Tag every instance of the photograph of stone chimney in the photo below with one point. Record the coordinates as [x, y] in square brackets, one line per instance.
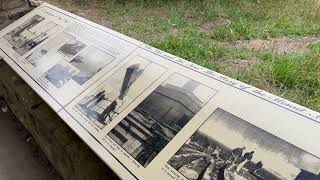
[116, 93]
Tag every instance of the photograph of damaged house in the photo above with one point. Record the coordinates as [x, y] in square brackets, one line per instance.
[156, 121]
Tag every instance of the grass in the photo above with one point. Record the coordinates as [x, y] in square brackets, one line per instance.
[205, 32]
[203, 53]
[294, 76]
[247, 18]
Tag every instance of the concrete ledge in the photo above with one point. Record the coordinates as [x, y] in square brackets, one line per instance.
[12, 4]
[64, 149]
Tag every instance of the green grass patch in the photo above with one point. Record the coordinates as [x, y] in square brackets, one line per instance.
[206, 54]
[240, 53]
[203, 32]
[294, 76]
[248, 18]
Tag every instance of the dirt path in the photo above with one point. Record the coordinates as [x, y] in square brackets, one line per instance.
[20, 159]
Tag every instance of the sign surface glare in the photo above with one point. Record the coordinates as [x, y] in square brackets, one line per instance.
[147, 113]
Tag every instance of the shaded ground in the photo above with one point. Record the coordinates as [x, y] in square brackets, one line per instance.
[20, 158]
[273, 45]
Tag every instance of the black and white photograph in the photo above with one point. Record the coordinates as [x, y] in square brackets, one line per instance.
[117, 92]
[156, 121]
[48, 51]
[30, 34]
[90, 61]
[72, 48]
[62, 47]
[60, 73]
[227, 147]
[36, 58]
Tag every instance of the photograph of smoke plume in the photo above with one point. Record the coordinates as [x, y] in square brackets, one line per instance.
[89, 62]
[227, 147]
[155, 122]
[116, 93]
[30, 34]
[60, 73]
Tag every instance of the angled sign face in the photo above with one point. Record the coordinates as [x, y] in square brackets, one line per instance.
[149, 114]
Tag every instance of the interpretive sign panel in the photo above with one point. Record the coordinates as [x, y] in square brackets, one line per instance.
[63, 54]
[149, 114]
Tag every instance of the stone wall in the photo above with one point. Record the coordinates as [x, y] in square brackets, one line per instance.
[12, 4]
[11, 10]
[65, 150]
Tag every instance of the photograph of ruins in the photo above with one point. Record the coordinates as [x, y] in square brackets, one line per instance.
[55, 50]
[154, 123]
[72, 48]
[37, 57]
[89, 62]
[30, 34]
[80, 61]
[60, 73]
[117, 92]
[227, 147]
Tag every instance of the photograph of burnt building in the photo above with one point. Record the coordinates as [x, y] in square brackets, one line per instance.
[72, 48]
[30, 34]
[155, 122]
[227, 147]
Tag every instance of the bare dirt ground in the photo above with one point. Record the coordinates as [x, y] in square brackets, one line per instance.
[91, 13]
[278, 45]
[20, 158]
